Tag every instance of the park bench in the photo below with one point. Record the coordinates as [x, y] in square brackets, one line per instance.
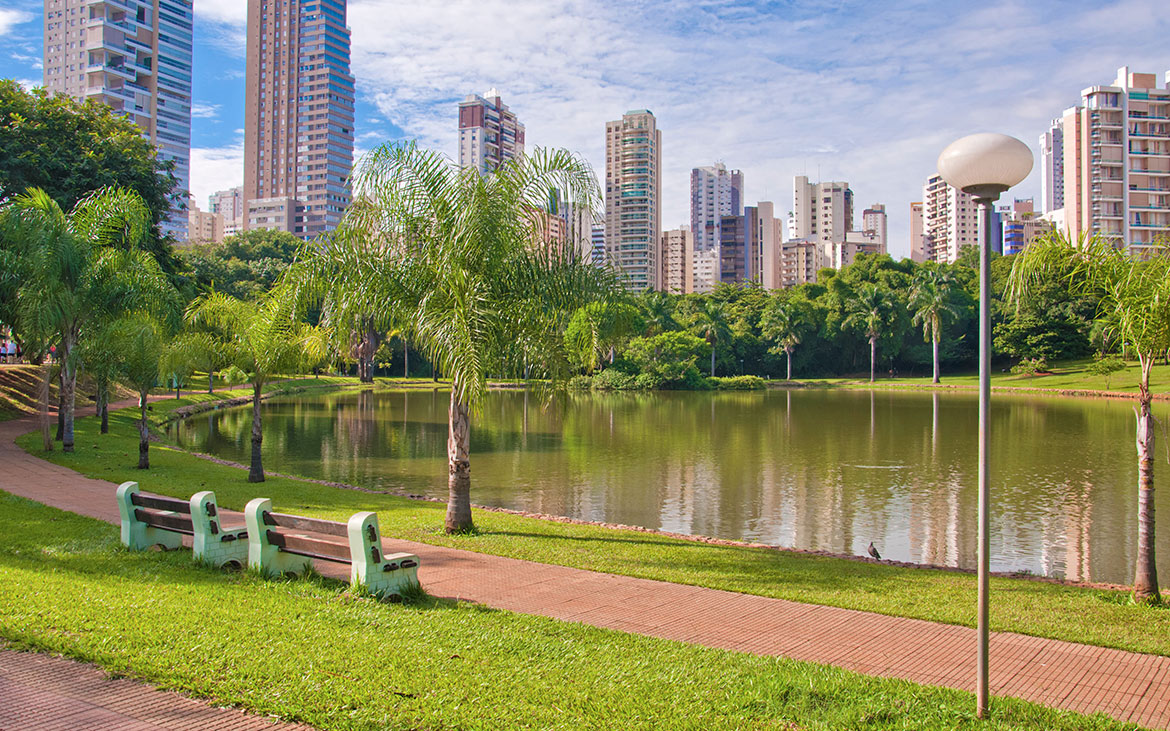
[157, 520]
[283, 544]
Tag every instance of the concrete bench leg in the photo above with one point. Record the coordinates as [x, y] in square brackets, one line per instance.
[381, 575]
[211, 543]
[136, 535]
[262, 555]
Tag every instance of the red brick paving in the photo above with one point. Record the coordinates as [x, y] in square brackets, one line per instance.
[1125, 685]
[44, 693]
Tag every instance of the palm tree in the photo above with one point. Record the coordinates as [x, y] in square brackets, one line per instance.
[784, 322]
[870, 309]
[81, 269]
[1135, 299]
[658, 312]
[139, 340]
[931, 301]
[598, 328]
[262, 339]
[710, 323]
[466, 263]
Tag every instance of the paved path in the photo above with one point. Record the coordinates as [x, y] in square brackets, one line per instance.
[1125, 685]
[44, 693]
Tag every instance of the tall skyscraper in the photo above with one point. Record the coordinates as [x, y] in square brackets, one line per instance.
[299, 116]
[677, 257]
[1052, 167]
[715, 192]
[821, 212]
[873, 222]
[1116, 168]
[633, 203]
[134, 56]
[489, 134]
[918, 246]
[950, 220]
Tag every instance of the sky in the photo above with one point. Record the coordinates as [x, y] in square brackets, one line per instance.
[861, 91]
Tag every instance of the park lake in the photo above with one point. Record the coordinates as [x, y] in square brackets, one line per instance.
[824, 470]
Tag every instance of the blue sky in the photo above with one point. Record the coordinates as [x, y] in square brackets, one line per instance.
[862, 91]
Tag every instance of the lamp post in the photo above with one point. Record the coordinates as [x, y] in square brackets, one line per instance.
[984, 165]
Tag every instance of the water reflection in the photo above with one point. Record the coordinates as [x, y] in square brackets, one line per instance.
[806, 469]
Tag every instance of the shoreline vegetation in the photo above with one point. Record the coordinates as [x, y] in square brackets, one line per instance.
[1095, 614]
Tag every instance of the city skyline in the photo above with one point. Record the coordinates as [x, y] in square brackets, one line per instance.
[808, 91]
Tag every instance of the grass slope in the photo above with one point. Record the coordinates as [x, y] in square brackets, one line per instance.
[308, 651]
[1091, 616]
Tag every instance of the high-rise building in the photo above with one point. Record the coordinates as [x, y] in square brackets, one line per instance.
[489, 133]
[705, 271]
[203, 227]
[597, 239]
[633, 204]
[134, 56]
[1021, 226]
[950, 220]
[821, 212]
[1052, 167]
[299, 116]
[873, 222]
[918, 245]
[715, 192]
[677, 257]
[229, 204]
[1116, 169]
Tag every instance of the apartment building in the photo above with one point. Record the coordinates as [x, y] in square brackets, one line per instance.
[715, 192]
[134, 56]
[489, 133]
[299, 116]
[950, 220]
[1052, 167]
[229, 204]
[203, 227]
[633, 200]
[677, 257]
[918, 245]
[705, 271]
[597, 244]
[873, 222]
[1021, 226]
[821, 212]
[1116, 161]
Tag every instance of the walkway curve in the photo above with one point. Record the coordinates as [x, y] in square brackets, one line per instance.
[1125, 685]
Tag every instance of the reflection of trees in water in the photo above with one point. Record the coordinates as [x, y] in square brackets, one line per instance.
[821, 470]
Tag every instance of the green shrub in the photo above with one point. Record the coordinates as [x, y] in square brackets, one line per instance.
[580, 383]
[1030, 366]
[613, 380]
[647, 382]
[738, 383]
[1106, 365]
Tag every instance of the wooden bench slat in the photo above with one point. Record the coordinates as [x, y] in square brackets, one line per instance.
[176, 523]
[313, 525]
[312, 547]
[161, 502]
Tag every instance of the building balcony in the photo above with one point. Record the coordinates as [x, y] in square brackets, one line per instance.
[1157, 226]
[1161, 173]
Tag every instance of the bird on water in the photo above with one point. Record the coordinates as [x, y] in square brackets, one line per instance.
[873, 551]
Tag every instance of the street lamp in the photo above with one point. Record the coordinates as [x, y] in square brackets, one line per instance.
[984, 165]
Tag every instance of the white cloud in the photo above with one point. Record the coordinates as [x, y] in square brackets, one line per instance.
[29, 84]
[216, 168]
[10, 18]
[201, 110]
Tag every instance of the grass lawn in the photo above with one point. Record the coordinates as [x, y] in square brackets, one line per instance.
[1092, 616]
[1067, 376]
[307, 650]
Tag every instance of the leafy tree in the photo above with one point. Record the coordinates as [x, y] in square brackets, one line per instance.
[658, 312]
[669, 357]
[598, 328]
[785, 321]
[466, 263]
[140, 341]
[932, 303]
[243, 266]
[1106, 365]
[710, 322]
[1135, 297]
[871, 310]
[261, 339]
[82, 269]
[70, 149]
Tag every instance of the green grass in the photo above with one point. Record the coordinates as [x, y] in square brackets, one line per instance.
[308, 650]
[1067, 376]
[1091, 616]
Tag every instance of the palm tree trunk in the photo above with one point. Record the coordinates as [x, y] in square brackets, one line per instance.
[210, 381]
[68, 398]
[458, 465]
[256, 473]
[712, 360]
[872, 356]
[60, 405]
[788, 352]
[103, 408]
[143, 435]
[405, 359]
[1145, 582]
[934, 347]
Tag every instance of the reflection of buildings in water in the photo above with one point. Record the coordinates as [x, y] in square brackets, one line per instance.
[934, 424]
[677, 510]
[1065, 536]
[937, 529]
[822, 513]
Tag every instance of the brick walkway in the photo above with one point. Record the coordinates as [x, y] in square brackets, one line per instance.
[1125, 685]
[44, 693]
